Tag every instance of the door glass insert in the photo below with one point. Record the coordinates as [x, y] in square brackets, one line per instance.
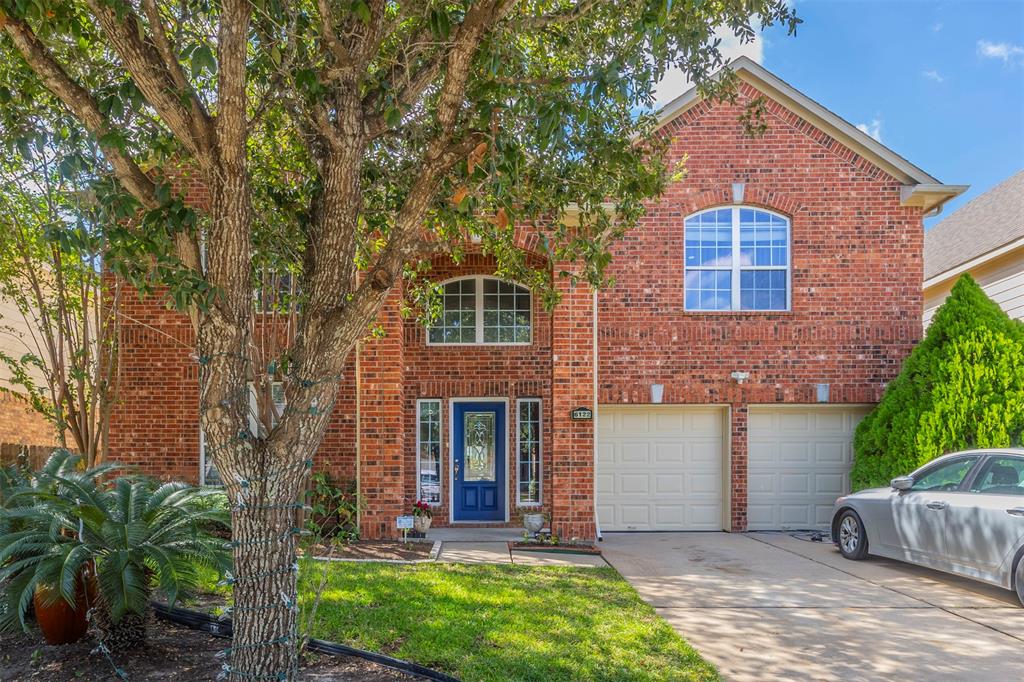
[479, 443]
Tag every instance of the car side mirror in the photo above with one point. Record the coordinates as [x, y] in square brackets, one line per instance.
[902, 483]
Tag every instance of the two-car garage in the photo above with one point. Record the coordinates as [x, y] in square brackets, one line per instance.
[666, 467]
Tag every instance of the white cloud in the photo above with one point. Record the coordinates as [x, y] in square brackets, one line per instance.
[874, 129]
[933, 75]
[937, 26]
[675, 81]
[1004, 51]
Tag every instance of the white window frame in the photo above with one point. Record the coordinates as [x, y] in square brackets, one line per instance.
[479, 331]
[736, 268]
[540, 452]
[440, 448]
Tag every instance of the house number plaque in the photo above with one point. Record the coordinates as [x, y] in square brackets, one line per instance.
[581, 414]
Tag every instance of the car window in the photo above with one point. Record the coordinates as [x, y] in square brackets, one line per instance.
[1000, 476]
[946, 476]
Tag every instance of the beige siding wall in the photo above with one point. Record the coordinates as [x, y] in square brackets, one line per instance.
[19, 424]
[1002, 279]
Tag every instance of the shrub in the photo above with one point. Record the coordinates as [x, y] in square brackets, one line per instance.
[132, 533]
[961, 387]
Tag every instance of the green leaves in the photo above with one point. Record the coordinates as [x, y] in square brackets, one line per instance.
[202, 60]
[440, 24]
[961, 387]
[130, 530]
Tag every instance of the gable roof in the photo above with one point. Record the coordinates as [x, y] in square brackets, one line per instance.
[987, 225]
[919, 188]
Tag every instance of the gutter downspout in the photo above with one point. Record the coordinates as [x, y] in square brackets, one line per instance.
[359, 430]
[597, 522]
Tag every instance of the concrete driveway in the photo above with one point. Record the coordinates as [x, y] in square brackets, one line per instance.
[769, 606]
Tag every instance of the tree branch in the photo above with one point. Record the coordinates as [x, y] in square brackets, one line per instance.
[577, 12]
[156, 80]
[83, 106]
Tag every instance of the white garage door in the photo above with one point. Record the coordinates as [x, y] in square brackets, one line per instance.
[799, 461]
[659, 467]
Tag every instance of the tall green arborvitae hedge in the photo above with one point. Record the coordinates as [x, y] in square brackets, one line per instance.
[961, 387]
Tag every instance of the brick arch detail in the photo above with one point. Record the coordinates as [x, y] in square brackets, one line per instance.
[752, 196]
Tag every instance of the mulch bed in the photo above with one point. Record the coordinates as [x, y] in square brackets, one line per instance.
[376, 550]
[172, 653]
[520, 546]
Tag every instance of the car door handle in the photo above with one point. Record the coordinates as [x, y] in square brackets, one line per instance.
[937, 506]
[1016, 511]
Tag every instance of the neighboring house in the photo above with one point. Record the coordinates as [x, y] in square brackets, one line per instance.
[984, 238]
[758, 312]
[20, 425]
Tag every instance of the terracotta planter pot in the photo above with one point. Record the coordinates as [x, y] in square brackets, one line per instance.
[421, 524]
[59, 622]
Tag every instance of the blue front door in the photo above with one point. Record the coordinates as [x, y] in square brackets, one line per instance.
[478, 461]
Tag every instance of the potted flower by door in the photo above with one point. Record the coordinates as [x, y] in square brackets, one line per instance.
[533, 521]
[421, 516]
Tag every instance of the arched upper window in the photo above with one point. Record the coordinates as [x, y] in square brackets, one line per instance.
[737, 258]
[483, 310]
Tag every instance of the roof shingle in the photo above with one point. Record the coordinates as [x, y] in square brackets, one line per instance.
[984, 224]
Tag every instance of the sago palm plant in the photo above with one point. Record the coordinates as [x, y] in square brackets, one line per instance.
[133, 534]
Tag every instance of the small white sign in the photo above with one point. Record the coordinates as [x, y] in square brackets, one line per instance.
[404, 522]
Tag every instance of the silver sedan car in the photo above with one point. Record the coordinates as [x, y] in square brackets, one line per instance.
[961, 513]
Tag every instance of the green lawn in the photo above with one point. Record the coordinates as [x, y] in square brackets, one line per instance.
[485, 622]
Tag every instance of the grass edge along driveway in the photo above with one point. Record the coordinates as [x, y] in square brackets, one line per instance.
[501, 622]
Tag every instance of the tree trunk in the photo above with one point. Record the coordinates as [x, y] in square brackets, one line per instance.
[265, 617]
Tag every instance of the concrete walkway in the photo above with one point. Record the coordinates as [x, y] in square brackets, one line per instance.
[464, 552]
[771, 607]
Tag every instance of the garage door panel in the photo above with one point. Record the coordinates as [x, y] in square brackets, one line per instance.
[798, 463]
[795, 484]
[633, 453]
[830, 484]
[676, 484]
[634, 514]
[793, 421]
[706, 453]
[633, 484]
[794, 453]
[669, 453]
[669, 515]
[705, 516]
[669, 483]
[634, 422]
[833, 453]
[760, 483]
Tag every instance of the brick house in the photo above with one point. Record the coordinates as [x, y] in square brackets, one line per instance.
[701, 392]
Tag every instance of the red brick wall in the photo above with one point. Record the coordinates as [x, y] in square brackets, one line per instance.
[381, 434]
[446, 372]
[573, 441]
[155, 423]
[856, 259]
[21, 425]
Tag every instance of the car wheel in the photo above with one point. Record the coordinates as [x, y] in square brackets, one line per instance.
[1020, 580]
[853, 541]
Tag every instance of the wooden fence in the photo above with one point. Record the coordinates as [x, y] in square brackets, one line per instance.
[32, 456]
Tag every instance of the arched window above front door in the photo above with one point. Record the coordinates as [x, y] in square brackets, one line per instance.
[483, 310]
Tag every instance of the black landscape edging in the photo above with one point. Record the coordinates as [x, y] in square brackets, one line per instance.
[221, 627]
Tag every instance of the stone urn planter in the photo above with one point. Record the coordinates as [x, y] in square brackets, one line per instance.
[421, 523]
[533, 523]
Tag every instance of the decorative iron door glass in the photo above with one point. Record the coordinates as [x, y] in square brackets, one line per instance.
[478, 466]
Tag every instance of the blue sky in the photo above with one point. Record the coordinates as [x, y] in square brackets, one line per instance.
[940, 83]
